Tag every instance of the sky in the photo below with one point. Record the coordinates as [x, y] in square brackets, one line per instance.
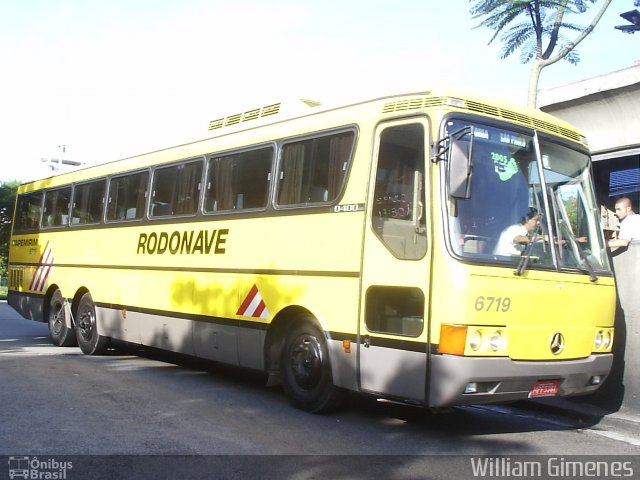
[94, 81]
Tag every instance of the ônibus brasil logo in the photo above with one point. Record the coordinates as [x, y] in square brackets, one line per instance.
[38, 469]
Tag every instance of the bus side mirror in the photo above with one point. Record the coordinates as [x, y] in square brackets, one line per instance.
[459, 168]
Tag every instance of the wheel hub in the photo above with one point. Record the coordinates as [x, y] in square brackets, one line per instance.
[86, 322]
[57, 317]
[306, 361]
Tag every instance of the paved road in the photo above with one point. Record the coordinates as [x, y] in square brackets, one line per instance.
[56, 401]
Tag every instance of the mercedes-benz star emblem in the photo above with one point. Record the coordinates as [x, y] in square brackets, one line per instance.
[557, 343]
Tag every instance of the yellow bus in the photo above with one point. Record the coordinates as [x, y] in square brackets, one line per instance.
[338, 249]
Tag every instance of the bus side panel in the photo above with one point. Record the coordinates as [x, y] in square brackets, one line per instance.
[216, 341]
[26, 249]
[343, 361]
[30, 307]
[118, 323]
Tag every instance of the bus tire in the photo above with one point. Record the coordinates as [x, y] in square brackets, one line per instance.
[89, 340]
[306, 371]
[60, 334]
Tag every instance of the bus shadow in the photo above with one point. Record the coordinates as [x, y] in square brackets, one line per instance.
[477, 429]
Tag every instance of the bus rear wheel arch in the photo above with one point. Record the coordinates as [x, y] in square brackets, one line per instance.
[60, 333]
[305, 368]
[89, 339]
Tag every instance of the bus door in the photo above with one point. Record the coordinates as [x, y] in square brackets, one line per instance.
[392, 346]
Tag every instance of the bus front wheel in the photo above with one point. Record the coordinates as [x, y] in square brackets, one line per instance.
[306, 371]
[60, 334]
[89, 340]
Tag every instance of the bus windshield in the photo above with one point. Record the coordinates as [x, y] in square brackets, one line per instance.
[530, 197]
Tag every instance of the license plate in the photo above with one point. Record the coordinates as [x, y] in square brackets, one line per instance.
[545, 388]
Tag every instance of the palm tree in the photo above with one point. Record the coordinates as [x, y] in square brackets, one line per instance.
[535, 28]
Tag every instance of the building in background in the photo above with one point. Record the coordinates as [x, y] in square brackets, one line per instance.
[607, 110]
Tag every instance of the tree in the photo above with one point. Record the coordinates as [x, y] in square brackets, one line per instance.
[536, 28]
[7, 202]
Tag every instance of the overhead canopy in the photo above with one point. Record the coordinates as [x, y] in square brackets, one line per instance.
[624, 181]
[627, 151]
[605, 108]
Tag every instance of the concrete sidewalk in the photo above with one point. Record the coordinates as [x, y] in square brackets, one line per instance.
[624, 421]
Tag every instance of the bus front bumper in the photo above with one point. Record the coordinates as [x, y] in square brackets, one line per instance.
[496, 380]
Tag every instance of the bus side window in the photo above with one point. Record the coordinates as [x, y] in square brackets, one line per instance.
[238, 181]
[127, 196]
[56, 207]
[28, 212]
[88, 203]
[314, 170]
[176, 189]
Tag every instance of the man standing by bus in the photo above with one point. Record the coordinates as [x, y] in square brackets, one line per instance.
[629, 224]
[626, 267]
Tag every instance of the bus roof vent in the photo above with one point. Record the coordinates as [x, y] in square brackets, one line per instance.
[247, 116]
[256, 114]
[481, 108]
[413, 104]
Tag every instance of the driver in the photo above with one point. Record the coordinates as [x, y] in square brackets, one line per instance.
[513, 238]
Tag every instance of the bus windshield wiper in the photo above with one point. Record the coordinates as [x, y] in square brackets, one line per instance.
[526, 254]
[525, 257]
[583, 256]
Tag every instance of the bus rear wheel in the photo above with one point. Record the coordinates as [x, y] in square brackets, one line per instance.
[60, 334]
[89, 340]
[306, 371]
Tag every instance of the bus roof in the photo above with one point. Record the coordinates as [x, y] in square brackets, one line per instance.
[277, 113]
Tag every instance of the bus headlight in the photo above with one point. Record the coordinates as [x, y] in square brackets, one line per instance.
[603, 340]
[475, 340]
[597, 343]
[496, 342]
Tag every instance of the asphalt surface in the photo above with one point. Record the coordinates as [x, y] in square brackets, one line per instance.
[140, 413]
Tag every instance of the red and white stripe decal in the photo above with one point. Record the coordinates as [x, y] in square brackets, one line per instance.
[39, 280]
[253, 305]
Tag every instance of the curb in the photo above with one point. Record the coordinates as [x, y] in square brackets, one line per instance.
[624, 420]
